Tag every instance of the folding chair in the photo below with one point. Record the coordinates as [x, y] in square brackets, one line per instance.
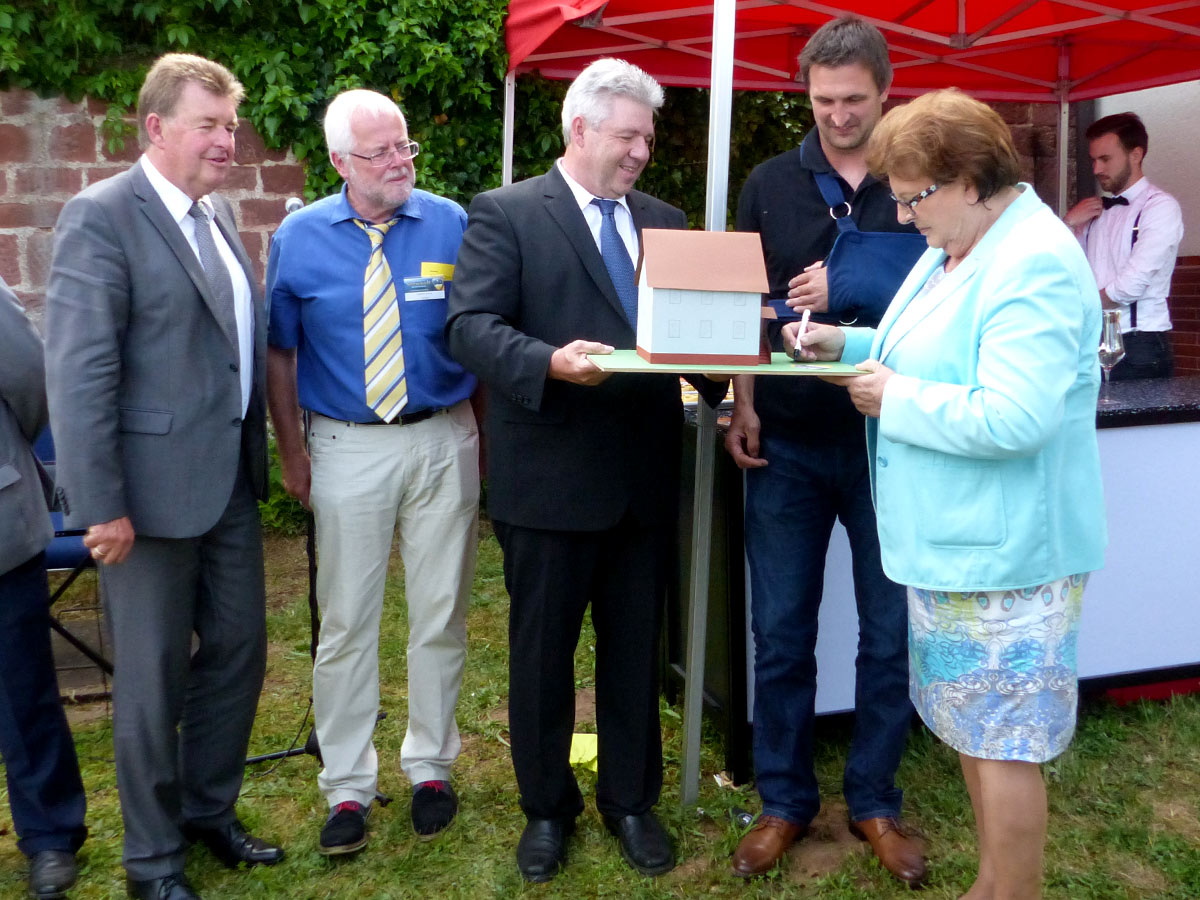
[67, 554]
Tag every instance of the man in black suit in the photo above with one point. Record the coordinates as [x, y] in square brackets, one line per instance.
[583, 470]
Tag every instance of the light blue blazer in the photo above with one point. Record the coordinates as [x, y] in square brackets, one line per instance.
[984, 467]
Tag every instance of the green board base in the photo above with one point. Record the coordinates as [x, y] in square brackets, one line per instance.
[780, 364]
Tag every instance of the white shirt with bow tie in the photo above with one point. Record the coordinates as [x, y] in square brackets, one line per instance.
[1138, 272]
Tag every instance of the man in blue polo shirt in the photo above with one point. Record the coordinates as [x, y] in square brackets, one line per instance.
[357, 284]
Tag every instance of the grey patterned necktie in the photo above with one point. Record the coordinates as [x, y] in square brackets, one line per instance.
[215, 271]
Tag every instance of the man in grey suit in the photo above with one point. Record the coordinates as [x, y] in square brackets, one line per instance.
[45, 793]
[156, 347]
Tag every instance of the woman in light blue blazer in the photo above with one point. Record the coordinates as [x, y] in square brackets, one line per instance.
[980, 391]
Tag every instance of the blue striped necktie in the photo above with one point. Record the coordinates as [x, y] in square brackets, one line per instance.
[616, 259]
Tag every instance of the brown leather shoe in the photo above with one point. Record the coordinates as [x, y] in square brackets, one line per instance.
[899, 852]
[764, 845]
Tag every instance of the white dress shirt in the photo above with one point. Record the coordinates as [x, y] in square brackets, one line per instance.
[178, 203]
[593, 216]
[1136, 272]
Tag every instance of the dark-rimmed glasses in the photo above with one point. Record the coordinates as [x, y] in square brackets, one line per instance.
[911, 205]
[407, 150]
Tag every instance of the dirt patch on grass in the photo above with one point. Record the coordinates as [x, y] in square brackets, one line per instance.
[825, 847]
[701, 867]
[1142, 880]
[286, 569]
[79, 714]
[585, 709]
[1177, 817]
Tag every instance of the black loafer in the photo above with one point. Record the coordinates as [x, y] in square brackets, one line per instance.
[169, 887]
[644, 843]
[51, 873]
[232, 844]
[542, 850]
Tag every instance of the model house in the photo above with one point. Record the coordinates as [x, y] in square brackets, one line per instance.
[699, 297]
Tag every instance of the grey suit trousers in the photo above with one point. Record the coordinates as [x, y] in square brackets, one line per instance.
[182, 719]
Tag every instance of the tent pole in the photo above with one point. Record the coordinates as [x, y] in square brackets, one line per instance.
[720, 110]
[510, 102]
[1064, 134]
[1064, 122]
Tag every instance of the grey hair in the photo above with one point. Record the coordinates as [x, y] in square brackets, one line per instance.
[590, 94]
[338, 137]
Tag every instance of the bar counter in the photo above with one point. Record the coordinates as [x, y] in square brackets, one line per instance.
[1151, 401]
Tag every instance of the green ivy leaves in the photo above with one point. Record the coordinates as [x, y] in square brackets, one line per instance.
[443, 60]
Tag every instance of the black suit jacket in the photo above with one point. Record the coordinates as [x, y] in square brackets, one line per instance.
[530, 279]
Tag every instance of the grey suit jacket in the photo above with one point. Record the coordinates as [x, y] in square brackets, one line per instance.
[24, 489]
[145, 394]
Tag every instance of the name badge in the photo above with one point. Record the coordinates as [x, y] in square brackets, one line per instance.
[446, 270]
[431, 287]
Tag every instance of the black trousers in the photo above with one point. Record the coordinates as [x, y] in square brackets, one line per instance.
[552, 577]
[1147, 355]
[45, 793]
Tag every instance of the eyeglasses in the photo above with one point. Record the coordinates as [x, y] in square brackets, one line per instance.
[407, 150]
[912, 204]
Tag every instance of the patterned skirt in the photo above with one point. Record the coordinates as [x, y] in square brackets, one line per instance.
[993, 673]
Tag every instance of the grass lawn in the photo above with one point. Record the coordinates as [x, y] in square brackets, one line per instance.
[1124, 800]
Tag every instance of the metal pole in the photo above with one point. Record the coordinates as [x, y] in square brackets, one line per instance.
[719, 114]
[1064, 136]
[1064, 121]
[510, 102]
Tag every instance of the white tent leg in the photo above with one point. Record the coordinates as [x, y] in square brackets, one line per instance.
[720, 110]
[510, 102]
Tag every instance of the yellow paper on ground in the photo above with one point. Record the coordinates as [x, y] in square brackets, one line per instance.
[583, 751]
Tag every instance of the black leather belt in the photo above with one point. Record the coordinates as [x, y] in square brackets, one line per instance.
[408, 418]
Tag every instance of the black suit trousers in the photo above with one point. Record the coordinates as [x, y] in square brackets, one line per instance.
[45, 793]
[552, 577]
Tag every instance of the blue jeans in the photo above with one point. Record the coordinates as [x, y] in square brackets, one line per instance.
[791, 505]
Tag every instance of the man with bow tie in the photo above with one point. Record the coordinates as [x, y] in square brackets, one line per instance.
[1131, 238]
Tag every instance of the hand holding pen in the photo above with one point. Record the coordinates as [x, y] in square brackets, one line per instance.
[820, 343]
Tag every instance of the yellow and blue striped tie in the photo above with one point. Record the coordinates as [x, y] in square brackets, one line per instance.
[383, 348]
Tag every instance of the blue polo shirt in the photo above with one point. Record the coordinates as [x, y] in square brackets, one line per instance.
[315, 287]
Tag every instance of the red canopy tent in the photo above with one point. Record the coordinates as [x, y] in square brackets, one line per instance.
[1039, 50]
[1054, 51]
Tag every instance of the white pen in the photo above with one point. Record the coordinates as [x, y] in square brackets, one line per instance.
[803, 328]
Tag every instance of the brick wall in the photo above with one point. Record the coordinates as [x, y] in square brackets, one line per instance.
[1185, 315]
[50, 149]
[1035, 133]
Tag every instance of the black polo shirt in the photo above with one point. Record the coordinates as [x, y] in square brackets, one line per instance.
[780, 200]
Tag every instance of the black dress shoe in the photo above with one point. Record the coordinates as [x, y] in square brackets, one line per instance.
[170, 887]
[51, 872]
[232, 844]
[542, 850]
[644, 843]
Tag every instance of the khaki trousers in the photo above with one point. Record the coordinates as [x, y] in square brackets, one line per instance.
[419, 483]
